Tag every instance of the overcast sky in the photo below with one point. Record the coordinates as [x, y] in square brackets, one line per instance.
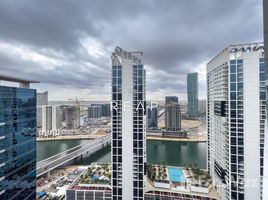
[67, 44]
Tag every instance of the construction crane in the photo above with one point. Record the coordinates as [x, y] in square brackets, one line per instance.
[77, 102]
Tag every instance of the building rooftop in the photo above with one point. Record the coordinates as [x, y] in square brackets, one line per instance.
[16, 79]
[234, 48]
[167, 180]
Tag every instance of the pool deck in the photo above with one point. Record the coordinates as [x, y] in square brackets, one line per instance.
[212, 194]
[180, 189]
[176, 175]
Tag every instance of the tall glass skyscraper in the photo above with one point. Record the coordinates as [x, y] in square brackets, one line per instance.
[152, 117]
[128, 125]
[192, 94]
[17, 140]
[236, 114]
[173, 117]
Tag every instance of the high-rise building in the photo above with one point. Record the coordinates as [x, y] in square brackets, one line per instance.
[56, 117]
[46, 118]
[17, 139]
[265, 28]
[51, 117]
[94, 112]
[192, 94]
[236, 113]
[171, 99]
[152, 117]
[105, 109]
[202, 105]
[183, 108]
[42, 98]
[128, 125]
[72, 117]
[172, 117]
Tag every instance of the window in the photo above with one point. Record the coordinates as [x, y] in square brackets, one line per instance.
[262, 67]
[232, 61]
[262, 77]
[240, 86]
[233, 96]
[119, 73]
[114, 73]
[233, 77]
[233, 104]
[233, 69]
[239, 61]
[262, 95]
[119, 81]
[233, 87]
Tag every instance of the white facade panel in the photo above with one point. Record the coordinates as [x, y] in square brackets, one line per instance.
[251, 125]
[127, 130]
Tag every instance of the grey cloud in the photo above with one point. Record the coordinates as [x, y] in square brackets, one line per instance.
[176, 36]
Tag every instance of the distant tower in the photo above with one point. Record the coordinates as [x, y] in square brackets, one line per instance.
[41, 100]
[173, 117]
[152, 117]
[192, 94]
[94, 112]
[128, 125]
[72, 117]
[46, 118]
[171, 99]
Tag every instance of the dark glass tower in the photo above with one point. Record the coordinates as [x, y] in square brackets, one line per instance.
[17, 141]
[192, 94]
[171, 99]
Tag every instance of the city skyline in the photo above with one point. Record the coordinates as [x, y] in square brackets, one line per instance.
[85, 40]
[133, 100]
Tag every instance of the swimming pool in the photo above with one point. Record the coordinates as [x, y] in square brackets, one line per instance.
[176, 175]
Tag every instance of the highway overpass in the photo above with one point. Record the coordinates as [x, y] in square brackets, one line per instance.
[90, 147]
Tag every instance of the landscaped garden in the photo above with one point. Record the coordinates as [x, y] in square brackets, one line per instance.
[197, 176]
[97, 174]
[157, 172]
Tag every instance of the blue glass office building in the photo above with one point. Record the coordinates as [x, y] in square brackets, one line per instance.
[17, 143]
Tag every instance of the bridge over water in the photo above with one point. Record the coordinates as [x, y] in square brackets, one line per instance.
[90, 147]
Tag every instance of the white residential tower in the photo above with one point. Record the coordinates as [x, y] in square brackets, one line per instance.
[128, 125]
[236, 100]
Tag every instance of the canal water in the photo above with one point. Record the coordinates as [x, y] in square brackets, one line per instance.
[162, 152]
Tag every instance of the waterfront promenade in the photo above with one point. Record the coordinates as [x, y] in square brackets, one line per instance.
[198, 138]
[68, 137]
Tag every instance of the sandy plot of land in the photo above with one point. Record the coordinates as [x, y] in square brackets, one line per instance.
[186, 124]
[100, 132]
